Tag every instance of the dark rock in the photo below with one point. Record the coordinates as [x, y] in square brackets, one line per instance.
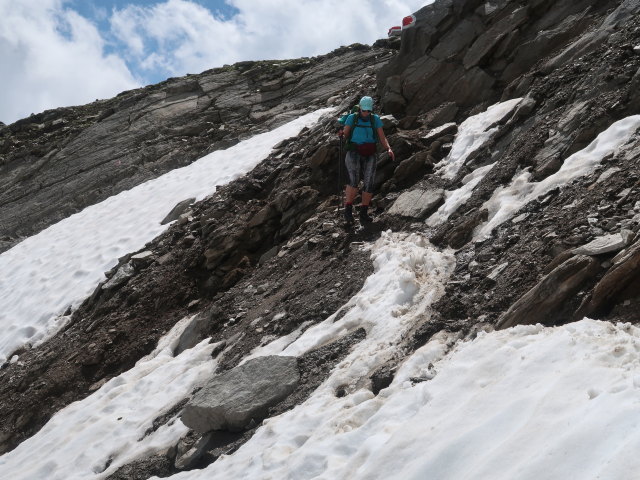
[178, 210]
[122, 275]
[487, 42]
[543, 301]
[231, 400]
[142, 259]
[606, 244]
[463, 231]
[440, 115]
[615, 281]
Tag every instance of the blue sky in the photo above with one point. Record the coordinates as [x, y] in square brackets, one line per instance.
[70, 52]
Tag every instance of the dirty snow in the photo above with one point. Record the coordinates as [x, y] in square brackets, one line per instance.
[473, 133]
[529, 402]
[455, 198]
[506, 201]
[60, 266]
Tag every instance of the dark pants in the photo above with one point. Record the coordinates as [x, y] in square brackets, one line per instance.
[357, 164]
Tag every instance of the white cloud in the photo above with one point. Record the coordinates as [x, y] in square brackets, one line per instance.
[181, 36]
[51, 56]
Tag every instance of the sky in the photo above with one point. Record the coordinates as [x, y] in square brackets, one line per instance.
[70, 52]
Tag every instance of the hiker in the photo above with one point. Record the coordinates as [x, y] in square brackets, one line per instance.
[361, 148]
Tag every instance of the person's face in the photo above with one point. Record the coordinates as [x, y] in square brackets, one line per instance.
[365, 113]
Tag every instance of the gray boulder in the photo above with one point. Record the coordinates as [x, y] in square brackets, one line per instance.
[122, 276]
[231, 400]
[417, 203]
[605, 244]
[178, 210]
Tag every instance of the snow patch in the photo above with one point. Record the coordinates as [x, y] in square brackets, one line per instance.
[522, 190]
[473, 133]
[529, 402]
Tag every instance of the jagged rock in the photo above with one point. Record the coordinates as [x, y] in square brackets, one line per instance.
[487, 42]
[615, 281]
[187, 459]
[495, 273]
[177, 211]
[409, 168]
[440, 115]
[606, 244]
[463, 231]
[268, 255]
[417, 203]
[323, 156]
[193, 333]
[231, 400]
[142, 259]
[540, 303]
[389, 123]
[436, 133]
[122, 276]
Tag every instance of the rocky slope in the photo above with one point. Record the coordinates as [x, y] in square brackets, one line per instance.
[57, 162]
[272, 242]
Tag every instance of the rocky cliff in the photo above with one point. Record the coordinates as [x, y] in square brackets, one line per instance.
[564, 246]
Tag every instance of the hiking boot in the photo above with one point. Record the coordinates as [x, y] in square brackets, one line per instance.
[364, 215]
[348, 214]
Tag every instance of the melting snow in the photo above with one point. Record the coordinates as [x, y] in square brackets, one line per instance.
[508, 200]
[455, 198]
[527, 403]
[473, 134]
[60, 266]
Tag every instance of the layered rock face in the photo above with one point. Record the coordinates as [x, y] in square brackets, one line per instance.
[56, 163]
[469, 51]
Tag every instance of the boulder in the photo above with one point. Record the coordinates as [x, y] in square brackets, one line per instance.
[323, 156]
[625, 270]
[547, 297]
[142, 259]
[178, 210]
[193, 334]
[410, 168]
[417, 203]
[436, 133]
[440, 115]
[605, 244]
[235, 398]
[462, 233]
[122, 275]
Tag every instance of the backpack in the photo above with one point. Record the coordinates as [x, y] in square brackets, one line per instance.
[350, 145]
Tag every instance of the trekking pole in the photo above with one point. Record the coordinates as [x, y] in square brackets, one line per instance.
[340, 189]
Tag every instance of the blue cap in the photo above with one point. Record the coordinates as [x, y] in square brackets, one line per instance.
[366, 103]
